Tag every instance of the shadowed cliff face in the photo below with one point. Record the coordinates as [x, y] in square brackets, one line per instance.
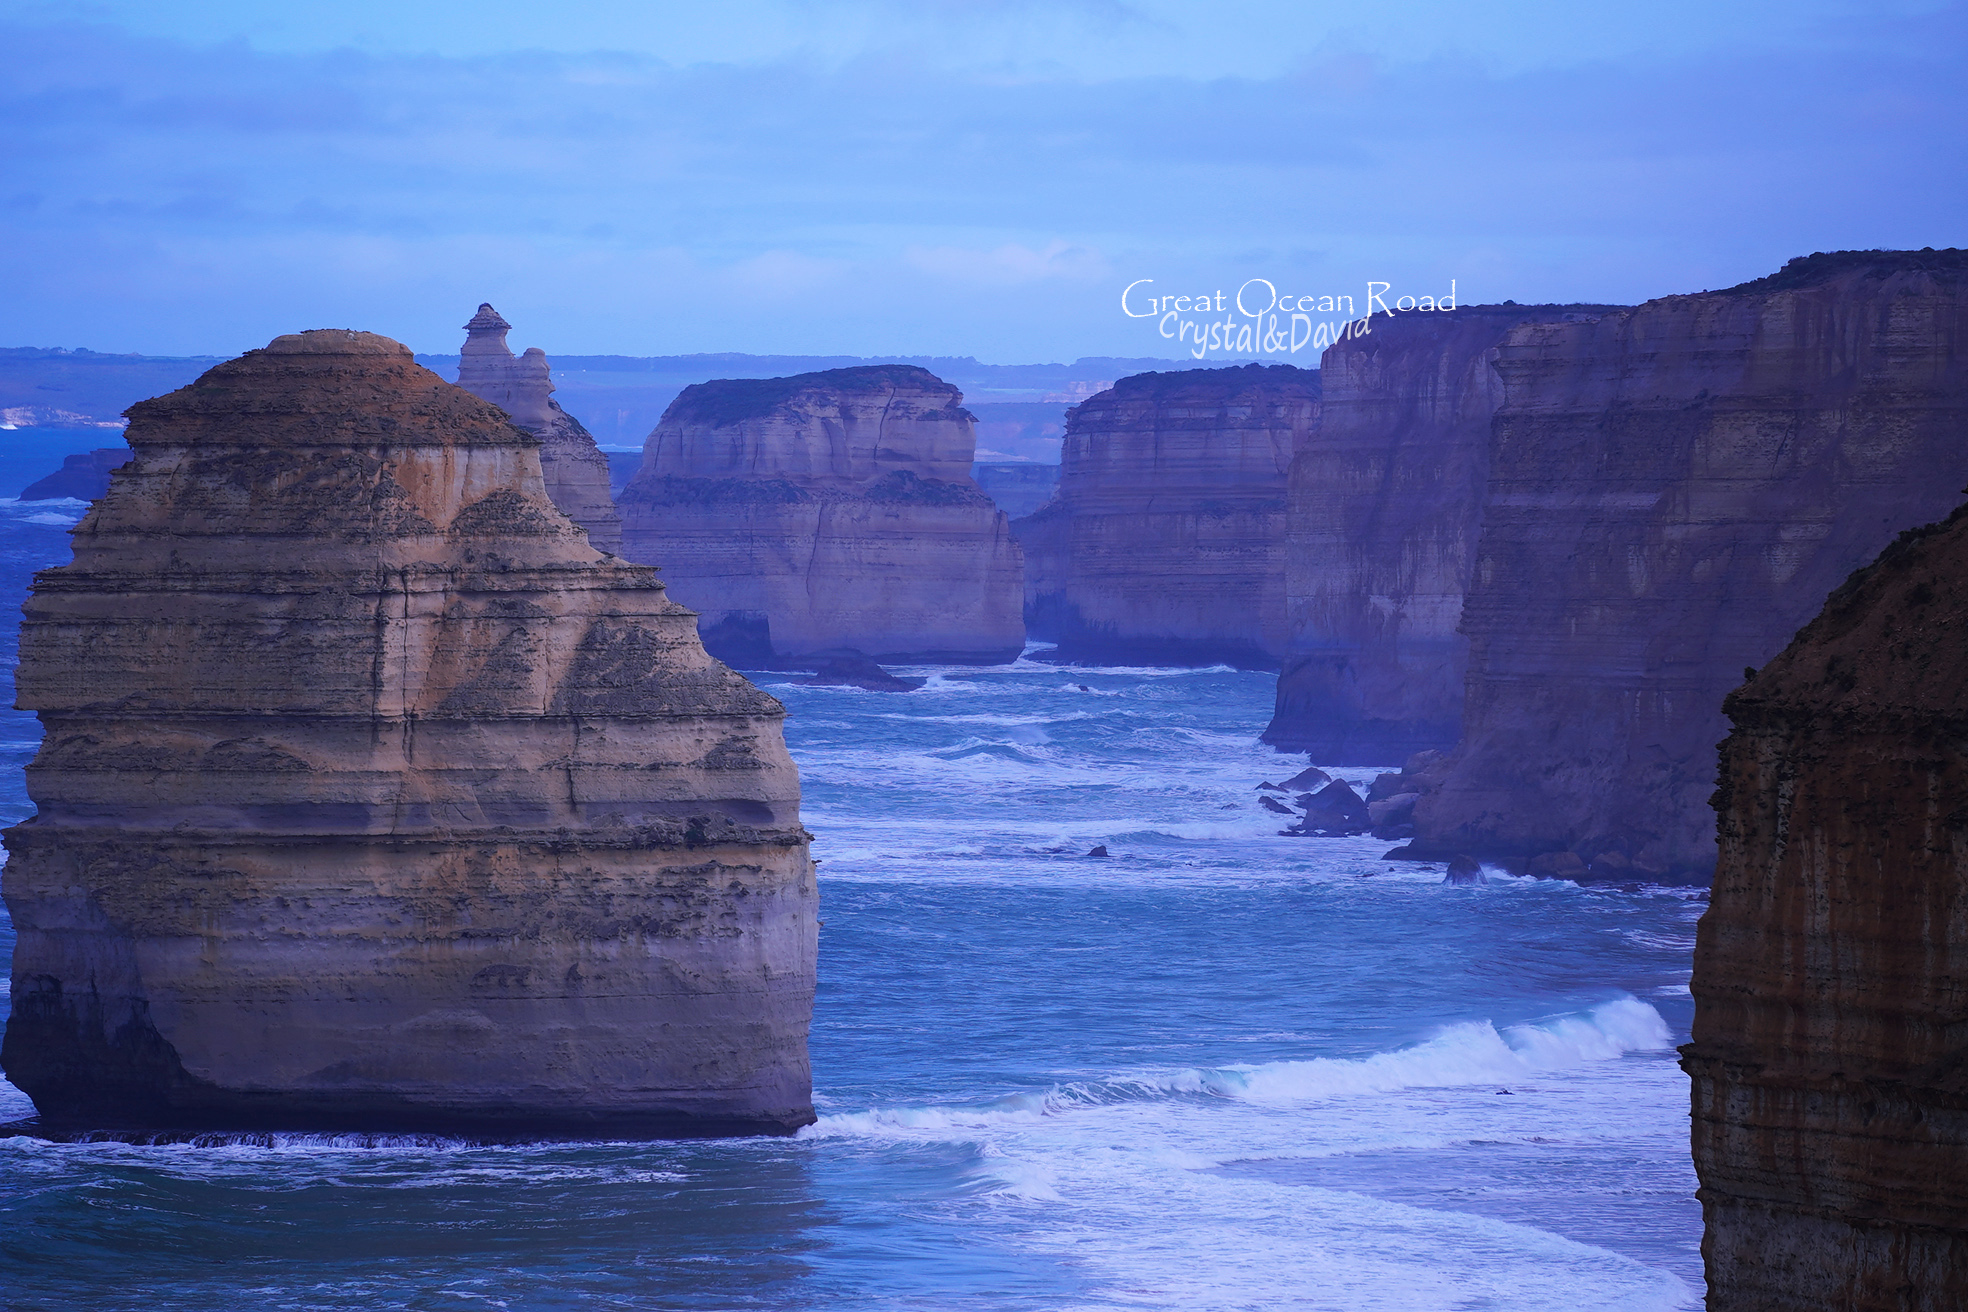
[1829, 1059]
[1386, 501]
[1165, 541]
[1673, 490]
[372, 796]
[826, 513]
[576, 471]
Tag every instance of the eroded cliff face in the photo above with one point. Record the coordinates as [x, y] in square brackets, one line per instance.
[1829, 1058]
[1165, 541]
[371, 796]
[575, 469]
[828, 513]
[1673, 490]
[1386, 499]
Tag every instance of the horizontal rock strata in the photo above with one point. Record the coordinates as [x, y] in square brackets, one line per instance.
[827, 514]
[1673, 491]
[575, 468]
[372, 796]
[1386, 502]
[1830, 1061]
[1165, 541]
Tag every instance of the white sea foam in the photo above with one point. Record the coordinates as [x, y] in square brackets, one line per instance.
[1241, 1185]
[1470, 1053]
[14, 1105]
[1001, 720]
[1666, 942]
[1125, 1176]
[64, 512]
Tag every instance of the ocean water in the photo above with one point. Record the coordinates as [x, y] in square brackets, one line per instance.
[1220, 1069]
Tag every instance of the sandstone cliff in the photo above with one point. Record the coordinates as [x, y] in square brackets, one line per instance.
[828, 513]
[1673, 490]
[576, 470]
[1829, 1058]
[372, 796]
[1386, 501]
[1165, 541]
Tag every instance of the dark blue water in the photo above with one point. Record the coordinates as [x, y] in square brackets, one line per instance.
[28, 455]
[1221, 1069]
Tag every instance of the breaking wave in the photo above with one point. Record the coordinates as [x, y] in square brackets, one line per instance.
[1471, 1053]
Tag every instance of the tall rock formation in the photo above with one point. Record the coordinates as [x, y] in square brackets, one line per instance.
[1165, 541]
[372, 796]
[1673, 490]
[825, 514]
[1830, 1060]
[1385, 505]
[522, 386]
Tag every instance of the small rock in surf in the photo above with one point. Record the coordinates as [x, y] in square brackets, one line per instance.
[858, 672]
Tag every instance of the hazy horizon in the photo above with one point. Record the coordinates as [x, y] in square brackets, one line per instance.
[976, 179]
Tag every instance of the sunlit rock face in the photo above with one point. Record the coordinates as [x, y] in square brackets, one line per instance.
[1673, 490]
[1386, 502]
[576, 471]
[1165, 542]
[372, 796]
[828, 513]
[1831, 969]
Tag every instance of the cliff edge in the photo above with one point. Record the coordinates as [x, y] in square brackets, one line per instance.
[1673, 491]
[1164, 543]
[372, 797]
[1829, 1059]
[1386, 503]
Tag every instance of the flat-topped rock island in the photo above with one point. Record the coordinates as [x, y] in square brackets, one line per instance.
[1165, 542]
[373, 797]
[828, 514]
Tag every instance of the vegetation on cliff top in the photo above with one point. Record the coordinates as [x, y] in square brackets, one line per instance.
[1823, 266]
[733, 400]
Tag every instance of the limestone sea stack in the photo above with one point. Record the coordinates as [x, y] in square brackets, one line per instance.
[1165, 541]
[1674, 490]
[1386, 501]
[575, 468]
[1829, 1060]
[372, 796]
[828, 514]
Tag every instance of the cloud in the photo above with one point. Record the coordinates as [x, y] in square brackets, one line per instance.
[164, 196]
[1011, 264]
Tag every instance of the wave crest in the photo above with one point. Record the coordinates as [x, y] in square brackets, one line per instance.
[1473, 1052]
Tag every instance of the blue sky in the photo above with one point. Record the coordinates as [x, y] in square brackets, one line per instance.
[941, 177]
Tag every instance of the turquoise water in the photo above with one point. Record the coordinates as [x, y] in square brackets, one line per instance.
[1220, 1069]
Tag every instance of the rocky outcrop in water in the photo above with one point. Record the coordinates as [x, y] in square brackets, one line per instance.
[826, 514]
[856, 672]
[575, 468]
[371, 796]
[1386, 502]
[1673, 490]
[1829, 1060]
[1165, 541]
[82, 477]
